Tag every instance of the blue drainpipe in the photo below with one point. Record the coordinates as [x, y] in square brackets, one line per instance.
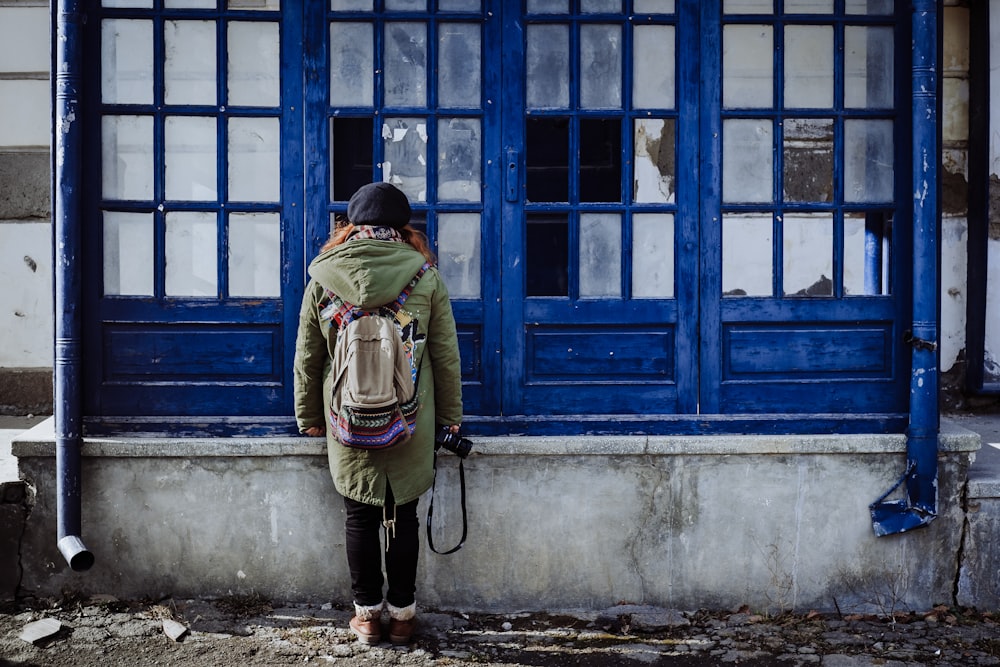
[67, 150]
[919, 507]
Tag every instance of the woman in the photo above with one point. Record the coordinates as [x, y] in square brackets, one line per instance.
[368, 262]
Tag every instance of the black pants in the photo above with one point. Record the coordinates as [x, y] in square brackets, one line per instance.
[364, 552]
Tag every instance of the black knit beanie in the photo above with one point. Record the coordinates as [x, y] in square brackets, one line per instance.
[380, 204]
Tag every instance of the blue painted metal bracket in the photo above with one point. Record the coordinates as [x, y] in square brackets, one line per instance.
[67, 173]
[919, 507]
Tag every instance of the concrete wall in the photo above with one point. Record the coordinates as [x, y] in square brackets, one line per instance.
[775, 522]
[25, 209]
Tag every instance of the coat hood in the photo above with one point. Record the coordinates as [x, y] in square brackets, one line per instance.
[367, 272]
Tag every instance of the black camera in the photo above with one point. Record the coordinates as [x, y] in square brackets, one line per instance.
[453, 442]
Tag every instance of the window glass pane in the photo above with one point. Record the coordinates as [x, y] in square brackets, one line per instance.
[600, 255]
[600, 6]
[868, 161]
[748, 6]
[406, 5]
[653, 82]
[547, 159]
[600, 66]
[270, 5]
[352, 64]
[868, 65]
[652, 255]
[140, 4]
[459, 5]
[404, 141]
[807, 255]
[189, 158]
[459, 65]
[128, 253]
[808, 159]
[600, 160]
[653, 6]
[351, 5]
[747, 66]
[350, 156]
[189, 67]
[253, 64]
[459, 159]
[747, 254]
[189, 4]
[547, 60]
[809, 66]
[868, 6]
[747, 160]
[808, 6]
[655, 161]
[867, 253]
[405, 64]
[459, 252]
[126, 61]
[127, 157]
[547, 264]
[548, 6]
[254, 254]
[190, 266]
[254, 160]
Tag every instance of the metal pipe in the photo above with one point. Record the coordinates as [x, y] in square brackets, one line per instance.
[67, 151]
[920, 505]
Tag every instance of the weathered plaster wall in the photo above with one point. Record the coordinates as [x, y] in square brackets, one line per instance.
[993, 291]
[25, 209]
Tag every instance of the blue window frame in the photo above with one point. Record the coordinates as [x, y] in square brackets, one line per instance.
[652, 216]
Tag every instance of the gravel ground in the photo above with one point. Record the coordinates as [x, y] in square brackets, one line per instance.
[247, 631]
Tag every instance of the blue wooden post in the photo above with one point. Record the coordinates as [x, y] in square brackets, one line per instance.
[67, 140]
[920, 506]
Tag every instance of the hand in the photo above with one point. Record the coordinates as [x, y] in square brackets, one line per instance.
[315, 431]
[455, 428]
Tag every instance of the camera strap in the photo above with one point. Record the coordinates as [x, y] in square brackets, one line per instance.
[465, 513]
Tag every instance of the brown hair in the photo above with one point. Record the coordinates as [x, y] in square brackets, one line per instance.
[416, 238]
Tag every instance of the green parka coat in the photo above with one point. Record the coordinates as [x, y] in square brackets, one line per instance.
[369, 273]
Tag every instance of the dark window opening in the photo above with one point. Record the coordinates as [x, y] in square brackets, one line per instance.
[600, 160]
[547, 159]
[350, 155]
[547, 256]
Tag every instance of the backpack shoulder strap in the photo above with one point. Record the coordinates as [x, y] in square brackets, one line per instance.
[341, 313]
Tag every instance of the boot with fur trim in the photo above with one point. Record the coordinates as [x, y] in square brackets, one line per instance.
[367, 623]
[402, 622]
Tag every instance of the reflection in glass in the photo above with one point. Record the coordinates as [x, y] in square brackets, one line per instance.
[547, 59]
[127, 157]
[747, 160]
[190, 250]
[189, 158]
[128, 253]
[189, 66]
[459, 159]
[405, 64]
[254, 254]
[653, 77]
[547, 159]
[867, 253]
[868, 161]
[809, 66]
[600, 66]
[868, 65]
[352, 64]
[807, 255]
[459, 252]
[808, 160]
[747, 254]
[253, 64]
[868, 6]
[600, 255]
[254, 160]
[459, 65]
[652, 256]
[126, 61]
[655, 162]
[404, 141]
[747, 66]
[350, 155]
[547, 265]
